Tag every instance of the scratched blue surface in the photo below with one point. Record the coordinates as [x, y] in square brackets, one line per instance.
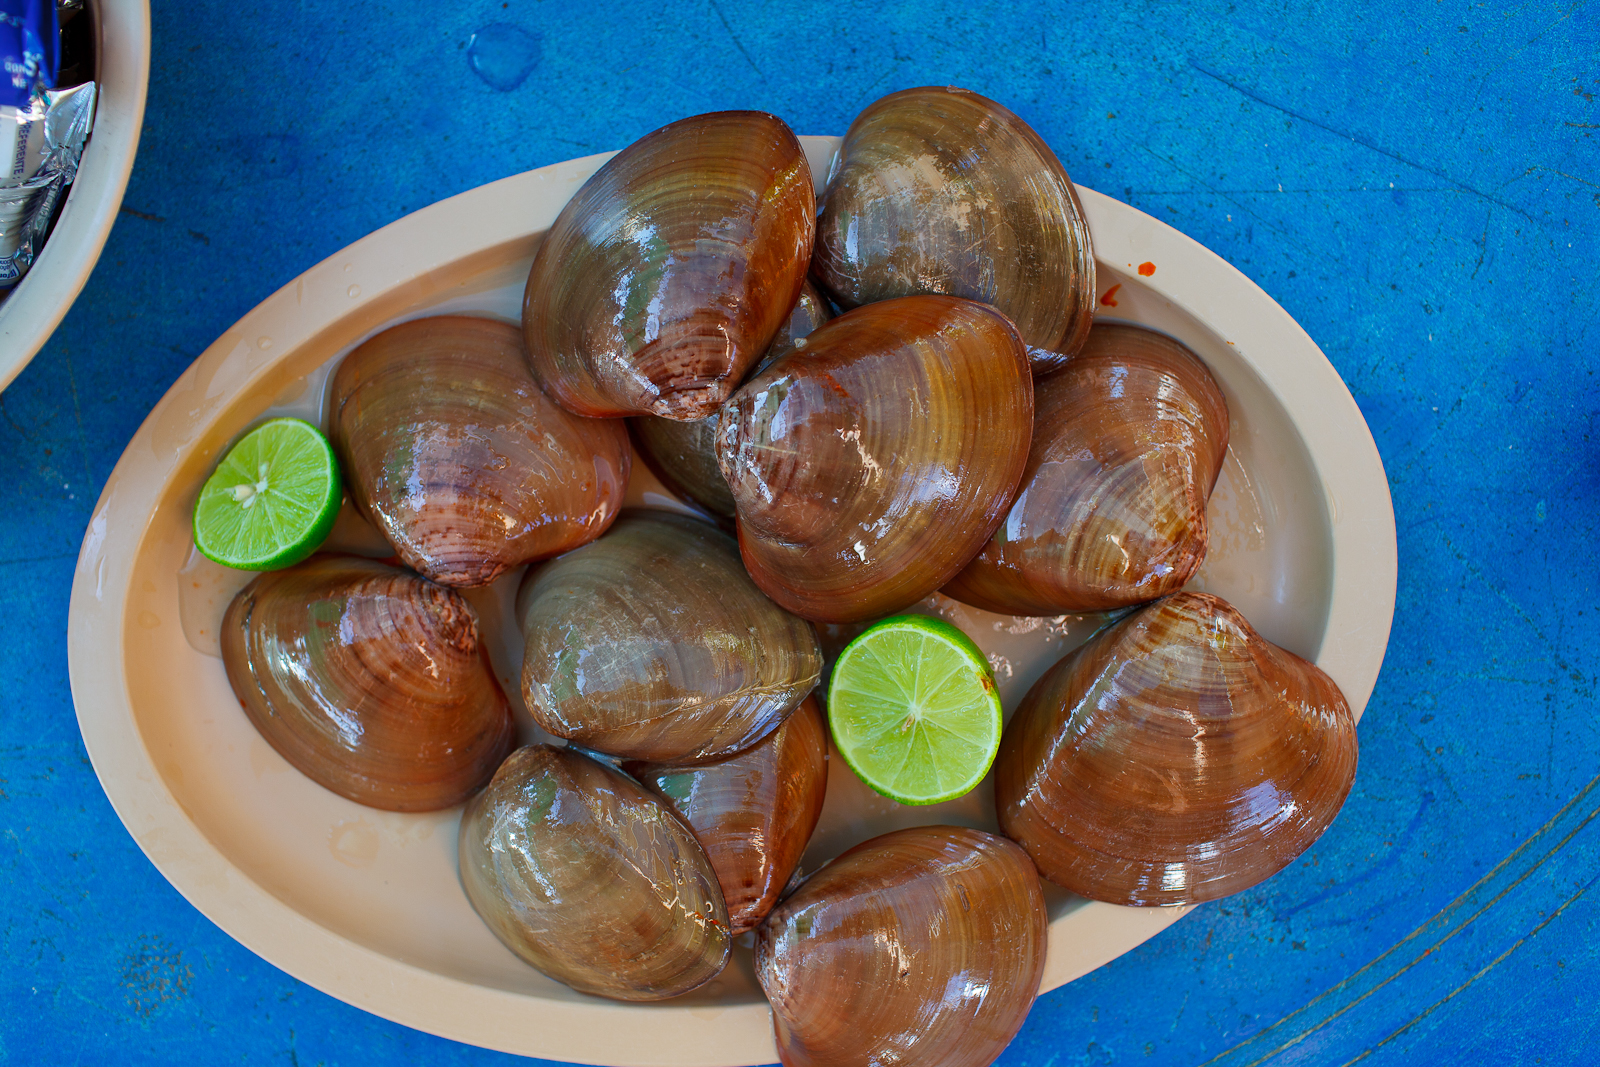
[1418, 184]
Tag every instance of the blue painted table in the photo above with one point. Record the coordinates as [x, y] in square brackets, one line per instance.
[1418, 184]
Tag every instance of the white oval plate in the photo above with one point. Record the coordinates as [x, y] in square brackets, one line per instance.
[365, 905]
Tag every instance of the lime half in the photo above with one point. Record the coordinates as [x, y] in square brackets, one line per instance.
[914, 710]
[272, 500]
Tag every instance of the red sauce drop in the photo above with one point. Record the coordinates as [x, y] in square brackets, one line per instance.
[1110, 299]
[1147, 269]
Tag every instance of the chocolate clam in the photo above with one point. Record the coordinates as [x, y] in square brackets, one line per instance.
[457, 456]
[370, 680]
[1128, 440]
[653, 644]
[869, 467]
[671, 270]
[924, 946]
[590, 879]
[809, 313]
[940, 190]
[1177, 757]
[754, 812]
[684, 454]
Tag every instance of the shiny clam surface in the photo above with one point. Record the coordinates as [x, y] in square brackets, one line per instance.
[458, 457]
[684, 454]
[1177, 757]
[1128, 440]
[810, 311]
[753, 812]
[588, 877]
[920, 947]
[669, 273]
[370, 680]
[652, 643]
[940, 190]
[871, 465]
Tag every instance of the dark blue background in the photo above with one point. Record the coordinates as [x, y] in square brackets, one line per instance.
[1418, 184]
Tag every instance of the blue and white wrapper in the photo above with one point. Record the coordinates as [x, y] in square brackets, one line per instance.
[30, 49]
[42, 131]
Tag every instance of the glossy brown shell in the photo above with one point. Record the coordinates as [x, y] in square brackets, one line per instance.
[923, 946]
[370, 680]
[669, 273]
[591, 879]
[1128, 440]
[1177, 757]
[653, 644]
[940, 190]
[754, 812]
[871, 465]
[457, 456]
[684, 454]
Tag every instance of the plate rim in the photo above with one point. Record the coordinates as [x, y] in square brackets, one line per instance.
[1364, 574]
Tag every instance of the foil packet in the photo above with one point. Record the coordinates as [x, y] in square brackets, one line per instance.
[43, 131]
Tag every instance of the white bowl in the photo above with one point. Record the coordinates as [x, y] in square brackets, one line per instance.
[365, 905]
[36, 305]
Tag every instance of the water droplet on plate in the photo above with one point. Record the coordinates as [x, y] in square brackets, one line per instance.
[264, 343]
[354, 843]
[503, 55]
[354, 291]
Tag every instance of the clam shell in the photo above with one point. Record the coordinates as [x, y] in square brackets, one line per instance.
[754, 812]
[369, 680]
[591, 879]
[453, 451]
[923, 946]
[870, 466]
[940, 190]
[809, 313]
[1177, 757]
[684, 454]
[669, 273]
[653, 644]
[1128, 440]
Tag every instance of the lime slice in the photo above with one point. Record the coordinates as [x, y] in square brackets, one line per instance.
[914, 710]
[272, 500]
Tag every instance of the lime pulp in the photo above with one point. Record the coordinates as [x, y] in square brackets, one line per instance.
[914, 711]
[272, 500]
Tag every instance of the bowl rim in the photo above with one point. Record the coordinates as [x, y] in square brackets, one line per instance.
[38, 303]
[1293, 369]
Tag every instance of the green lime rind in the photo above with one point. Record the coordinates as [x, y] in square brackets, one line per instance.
[941, 750]
[294, 468]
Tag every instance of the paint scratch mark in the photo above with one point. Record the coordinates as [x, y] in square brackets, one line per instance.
[77, 413]
[1483, 242]
[735, 39]
[154, 974]
[1241, 205]
[1425, 940]
[1485, 969]
[1395, 853]
[1573, 177]
[1308, 120]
